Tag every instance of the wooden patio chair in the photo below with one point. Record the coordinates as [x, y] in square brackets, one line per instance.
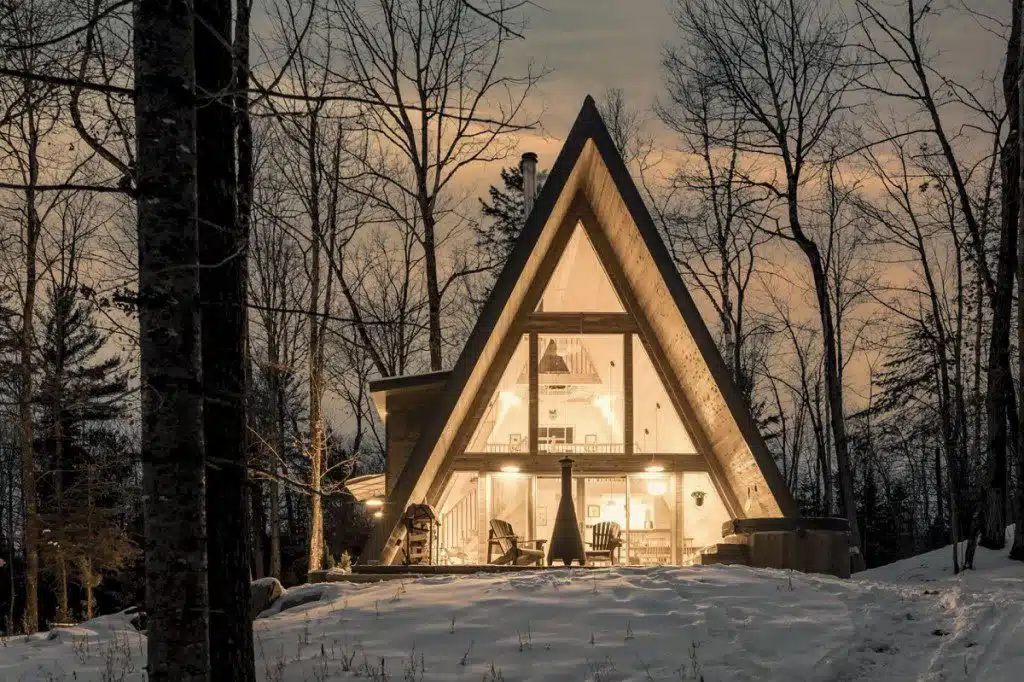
[514, 550]
[606, 543]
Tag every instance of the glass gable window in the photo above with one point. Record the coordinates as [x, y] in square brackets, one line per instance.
[581, 393]
[657, 427]
[506, 421]
[579, 283]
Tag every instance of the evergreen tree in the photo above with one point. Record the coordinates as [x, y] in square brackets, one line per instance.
[78, 388]
[503, 216]
[78, 385]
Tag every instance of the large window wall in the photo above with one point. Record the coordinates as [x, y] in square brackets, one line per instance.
[665, 518]
[588, 402]
[581, 380]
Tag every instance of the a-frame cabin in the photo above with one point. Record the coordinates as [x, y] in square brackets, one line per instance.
[591, 346]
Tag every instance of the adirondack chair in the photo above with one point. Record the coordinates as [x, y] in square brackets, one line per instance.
[514, 550]
[607, 541]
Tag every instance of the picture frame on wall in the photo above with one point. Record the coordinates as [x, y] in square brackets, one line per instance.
[593, 511]
[542, 516]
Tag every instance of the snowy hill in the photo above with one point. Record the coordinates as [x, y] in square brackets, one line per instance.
[907, 621]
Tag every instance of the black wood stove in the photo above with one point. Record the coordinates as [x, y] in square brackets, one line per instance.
[566, 541]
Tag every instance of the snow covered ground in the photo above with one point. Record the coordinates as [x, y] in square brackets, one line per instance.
[907, 621]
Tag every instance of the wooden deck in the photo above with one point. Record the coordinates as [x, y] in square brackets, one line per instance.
[368, 574]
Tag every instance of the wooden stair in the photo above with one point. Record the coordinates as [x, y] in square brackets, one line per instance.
[726, 553]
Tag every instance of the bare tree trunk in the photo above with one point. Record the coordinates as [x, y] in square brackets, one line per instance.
[223, 253]
[258, 529]
[827, 505]
[316, 418]
[1017, 550]
[275, 488]
[834, 389]
[63, 608]
[433, 289]
[1000, 381]
[316, 520]
[26, 347]
[316, 460]
[174, 476]
[90, 599]
[87, 572]
[10, 547]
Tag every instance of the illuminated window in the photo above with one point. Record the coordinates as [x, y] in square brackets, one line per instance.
[581, 393]
[579, 282]
[657, 427]
[506, 420]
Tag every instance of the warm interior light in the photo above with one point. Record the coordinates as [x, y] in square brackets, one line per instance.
[374, 502]
[506, 401]
[657, 487]
[654, 469]
[605, 404]
[378, 514]
[510, 469]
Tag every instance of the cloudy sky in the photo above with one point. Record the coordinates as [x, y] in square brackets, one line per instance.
[592, 45]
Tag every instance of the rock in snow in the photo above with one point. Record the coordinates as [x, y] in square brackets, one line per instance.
[265, 592]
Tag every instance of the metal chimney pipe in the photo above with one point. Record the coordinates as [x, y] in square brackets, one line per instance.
[528, 167]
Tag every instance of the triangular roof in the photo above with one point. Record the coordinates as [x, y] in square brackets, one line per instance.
[590, 184]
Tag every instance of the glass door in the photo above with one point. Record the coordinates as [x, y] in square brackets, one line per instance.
[548, 495]
[604, 501]
[510, 500]
[651, 516]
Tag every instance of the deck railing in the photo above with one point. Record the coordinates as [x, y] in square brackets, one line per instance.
[561, 448]
[459, 526]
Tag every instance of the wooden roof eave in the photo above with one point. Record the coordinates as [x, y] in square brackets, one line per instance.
[381, 388]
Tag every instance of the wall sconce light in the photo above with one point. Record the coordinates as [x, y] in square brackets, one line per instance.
[698, 497]
[378, 514]
[375, 502]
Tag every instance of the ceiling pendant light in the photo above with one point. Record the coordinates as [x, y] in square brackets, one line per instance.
[551, 362]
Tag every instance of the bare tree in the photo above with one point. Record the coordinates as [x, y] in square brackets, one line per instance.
[711, 217]
[31, 119]
[437, 101]
[626, 126]
[321, 217]
[896, 48]
[784, 64]
[276, 297]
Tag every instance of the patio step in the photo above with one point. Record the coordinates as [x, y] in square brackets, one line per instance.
[735, 540]
[726, 553]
